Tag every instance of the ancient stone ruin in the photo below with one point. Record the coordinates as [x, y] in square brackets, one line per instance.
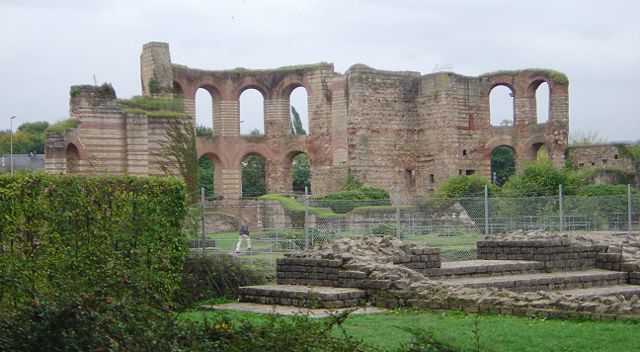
[521, 274]
[394, 130]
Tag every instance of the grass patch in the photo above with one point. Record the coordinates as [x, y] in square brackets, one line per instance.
[290, 204]
[63, 126]
[389, 331]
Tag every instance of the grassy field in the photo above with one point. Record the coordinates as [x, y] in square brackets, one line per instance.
[454, 245]
[388, 331]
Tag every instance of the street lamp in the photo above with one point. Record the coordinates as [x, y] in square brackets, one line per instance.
[11, 144]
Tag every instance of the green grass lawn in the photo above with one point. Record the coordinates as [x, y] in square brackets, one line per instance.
[497, 333]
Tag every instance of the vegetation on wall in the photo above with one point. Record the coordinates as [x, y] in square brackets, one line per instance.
[152, 104]
[178, 157]
[64, 125]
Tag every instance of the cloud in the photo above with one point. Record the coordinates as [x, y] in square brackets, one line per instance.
[50, 45]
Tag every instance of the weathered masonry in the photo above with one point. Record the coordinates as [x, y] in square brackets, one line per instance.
[394, 130]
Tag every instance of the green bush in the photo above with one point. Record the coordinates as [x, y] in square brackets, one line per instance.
[344, 201]
[465, 186]
[603, 190]
[206, 277]
[542, 179]
[374, 193]
[67, 235]
[384, 229]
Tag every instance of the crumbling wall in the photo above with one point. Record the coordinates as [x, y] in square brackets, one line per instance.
[401, 131]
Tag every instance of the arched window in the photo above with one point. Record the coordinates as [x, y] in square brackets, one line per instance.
[72, 155]
[299, 112]
[206, 172]
[253, 176]
[539, 150]
[178, 93]
[543, 105]
[501, 106]
[503, 164]
[300, 173]
[251, 112]
[204, 112]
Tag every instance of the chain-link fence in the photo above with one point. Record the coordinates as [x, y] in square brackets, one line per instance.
[281, 224]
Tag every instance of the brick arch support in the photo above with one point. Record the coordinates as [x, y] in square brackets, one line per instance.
[491, 145]
[218, 172]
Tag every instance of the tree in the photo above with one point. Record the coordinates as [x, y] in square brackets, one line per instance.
[205, 175]
[506, 122]
[204, 131]
[253, 176]
[296, 123]
[503, 164]
[301, 173]
[29, 137]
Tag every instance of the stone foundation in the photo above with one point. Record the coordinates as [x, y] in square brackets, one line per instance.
[555, 254]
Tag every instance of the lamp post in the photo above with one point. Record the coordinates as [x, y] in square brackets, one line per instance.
[11, 144]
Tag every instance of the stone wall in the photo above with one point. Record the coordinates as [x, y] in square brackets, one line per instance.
[603, 156]
[334, 273]
[396, 130]
[555, 254]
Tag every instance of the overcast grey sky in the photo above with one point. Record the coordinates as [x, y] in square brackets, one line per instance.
[48, 46]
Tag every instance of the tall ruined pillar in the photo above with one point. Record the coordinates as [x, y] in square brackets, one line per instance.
[155, 69]
[277, 118]
[558, 125]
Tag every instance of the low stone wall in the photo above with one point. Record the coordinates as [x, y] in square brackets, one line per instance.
[634, 278]
[560, 310]
[332, 273]
[322, 297]
[305, 271]
[555, 254]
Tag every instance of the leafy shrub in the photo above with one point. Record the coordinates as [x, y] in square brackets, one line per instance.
[207, 277]
[132, 323]
[374, 193]
[344, 201]
[603, 190]
[384, 229]
[465, 186]
[69, 234]
[139, 321]
[541, 179]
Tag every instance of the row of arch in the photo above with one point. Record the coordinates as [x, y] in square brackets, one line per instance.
[251, 110]
[255, 173]
[502, 109]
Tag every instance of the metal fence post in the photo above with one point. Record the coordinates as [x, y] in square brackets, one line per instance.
[486, 210]
[629, 207]
[398, 212]
[202, 217]
[561, 209]
[306, 218]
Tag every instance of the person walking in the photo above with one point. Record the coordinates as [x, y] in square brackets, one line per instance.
[244, 236]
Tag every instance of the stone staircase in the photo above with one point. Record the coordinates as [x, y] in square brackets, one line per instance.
[519, 266]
